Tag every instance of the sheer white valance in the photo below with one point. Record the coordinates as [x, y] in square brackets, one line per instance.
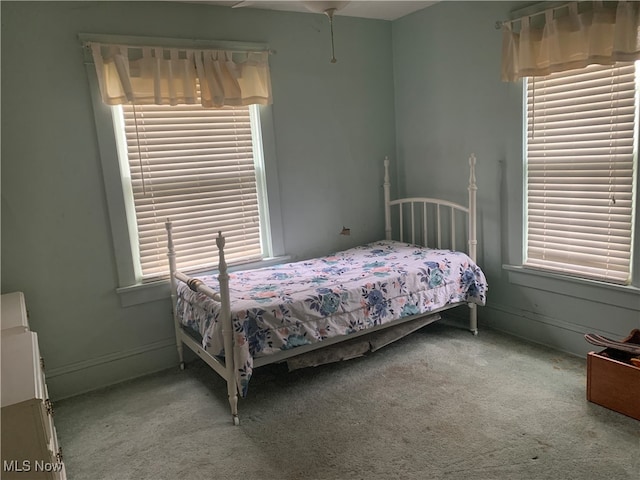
[169, 76]
[569, 37]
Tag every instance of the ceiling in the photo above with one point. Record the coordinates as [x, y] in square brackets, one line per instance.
[381, 10]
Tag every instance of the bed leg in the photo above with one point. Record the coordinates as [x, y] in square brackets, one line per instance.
[232, 392]
[180, 348]
[233, 402]
[473, 318]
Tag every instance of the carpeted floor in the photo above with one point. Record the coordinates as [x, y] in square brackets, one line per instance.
[439, 404]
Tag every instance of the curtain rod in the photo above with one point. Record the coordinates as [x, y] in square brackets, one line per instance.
[167, 43]
[534, 10]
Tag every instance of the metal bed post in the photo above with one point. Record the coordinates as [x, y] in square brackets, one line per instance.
[387, 199]
[473, 241]
[174, 286]
[227, 330]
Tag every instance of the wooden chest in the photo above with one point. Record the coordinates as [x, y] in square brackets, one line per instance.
[613, 382]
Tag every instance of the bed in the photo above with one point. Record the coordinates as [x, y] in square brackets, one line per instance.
[294, 310]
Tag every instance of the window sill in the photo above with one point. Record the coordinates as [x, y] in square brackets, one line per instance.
[624, 296]
[159, 290]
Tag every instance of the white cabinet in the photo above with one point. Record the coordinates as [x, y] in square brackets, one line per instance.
[14, 314]
[30, 447]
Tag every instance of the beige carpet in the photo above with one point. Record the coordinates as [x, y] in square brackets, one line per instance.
[439, 404]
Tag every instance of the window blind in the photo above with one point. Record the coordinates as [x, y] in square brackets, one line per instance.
[196, 167]
[580, 157]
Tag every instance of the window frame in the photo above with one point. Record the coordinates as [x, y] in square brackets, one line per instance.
[624, 296]
[129, 288]
[127, 167]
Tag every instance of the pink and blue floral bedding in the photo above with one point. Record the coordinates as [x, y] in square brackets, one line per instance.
[294, 304]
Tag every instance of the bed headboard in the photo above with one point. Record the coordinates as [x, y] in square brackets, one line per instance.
[433, 222]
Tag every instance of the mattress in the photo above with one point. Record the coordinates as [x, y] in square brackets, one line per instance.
[295, 304]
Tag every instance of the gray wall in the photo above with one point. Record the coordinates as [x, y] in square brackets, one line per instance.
[450, 102]
[333, 125]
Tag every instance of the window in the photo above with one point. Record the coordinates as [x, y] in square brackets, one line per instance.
[223, 174]
[202, 168]
[581, 156]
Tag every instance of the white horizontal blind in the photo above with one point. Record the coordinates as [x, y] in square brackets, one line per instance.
[196, 167]
[580, 158]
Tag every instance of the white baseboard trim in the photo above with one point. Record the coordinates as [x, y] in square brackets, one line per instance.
[532, 316]
[106, 370]
[552, 332]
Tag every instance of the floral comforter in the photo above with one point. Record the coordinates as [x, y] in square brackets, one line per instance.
[286, 306]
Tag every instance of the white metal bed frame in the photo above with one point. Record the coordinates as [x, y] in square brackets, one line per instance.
[226, 368]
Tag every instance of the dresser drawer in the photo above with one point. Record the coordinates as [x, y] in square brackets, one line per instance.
[25, 445]
[21, 370]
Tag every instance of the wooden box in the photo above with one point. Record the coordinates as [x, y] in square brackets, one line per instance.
[613, 381]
